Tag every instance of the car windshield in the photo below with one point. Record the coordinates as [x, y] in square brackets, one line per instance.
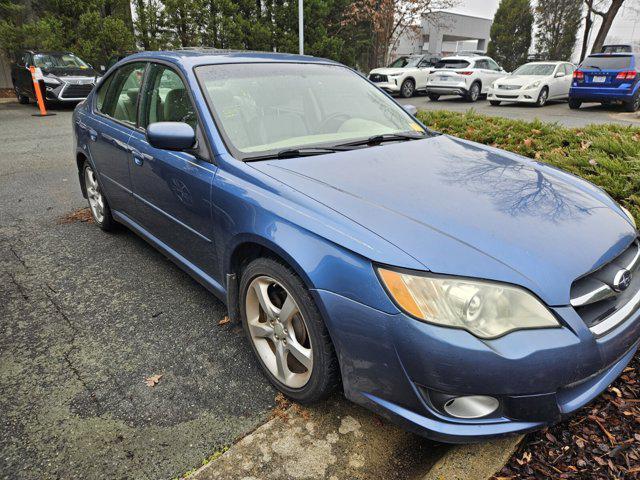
[263, 108]
[405, 62]
[541, 69]
[606, 62]
[452, 63]
[50, 60]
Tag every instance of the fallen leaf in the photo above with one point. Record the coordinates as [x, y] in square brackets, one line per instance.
[152, 380]
[593, 162]
[616, 391]
[224, 321]
[535, 131]
[528, 142]
[585, 144]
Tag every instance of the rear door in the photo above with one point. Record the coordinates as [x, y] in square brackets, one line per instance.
[604, 71]
[173, 189]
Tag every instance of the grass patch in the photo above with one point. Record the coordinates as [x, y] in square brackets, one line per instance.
[214, 456]
[607, 155]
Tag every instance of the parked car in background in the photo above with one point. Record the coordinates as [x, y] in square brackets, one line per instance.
[620, 48]
[405, 75]
[466, 76]
[607, 78]
[456, 289]
[535, 82]
[66, 77]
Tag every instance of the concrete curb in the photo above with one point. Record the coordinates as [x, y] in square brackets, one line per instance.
[465, 462]
[339, 440]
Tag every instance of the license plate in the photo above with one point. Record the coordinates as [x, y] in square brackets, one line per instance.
[599, 79]
[444, 79]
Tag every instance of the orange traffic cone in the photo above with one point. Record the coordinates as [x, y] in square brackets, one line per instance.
[36, 75]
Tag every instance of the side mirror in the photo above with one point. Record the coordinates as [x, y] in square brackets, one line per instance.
[560, 74]
[171, 136]
[410, 109]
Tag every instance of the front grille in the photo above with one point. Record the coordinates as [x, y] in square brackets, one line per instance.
[509, 87]
[507, 96]
[77, 91]
[378, 78]
[607, 296]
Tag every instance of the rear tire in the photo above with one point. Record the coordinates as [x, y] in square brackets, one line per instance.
[633, 105]
[495, 103]
[269, 282]
[100, 210]
[574, 104]
[408, 88]
[434, 97]
[474, 93]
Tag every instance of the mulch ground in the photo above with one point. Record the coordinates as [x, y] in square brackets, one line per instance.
[6, 93]
[601, 441]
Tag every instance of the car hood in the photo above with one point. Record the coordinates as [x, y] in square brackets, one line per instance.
[520, 79]
[466, 209]
[62, 72]
[390, 71]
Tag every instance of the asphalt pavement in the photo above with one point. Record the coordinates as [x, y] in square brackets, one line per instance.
[590, 113]
[86, 317]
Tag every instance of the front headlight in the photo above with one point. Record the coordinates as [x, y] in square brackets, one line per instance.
[533, 85]
[485, 309]
[51, 80]
[628, 214]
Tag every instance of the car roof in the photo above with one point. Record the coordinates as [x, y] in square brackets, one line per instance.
[544, 62]
[195, 57]
[467, 57]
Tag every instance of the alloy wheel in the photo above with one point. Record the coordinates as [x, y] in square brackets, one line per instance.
[542, 98]
[407, 89]
[279, 332]
[475, 92]
[96, 200]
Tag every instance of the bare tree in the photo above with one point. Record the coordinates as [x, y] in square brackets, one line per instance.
[390, 19]
[607, 10]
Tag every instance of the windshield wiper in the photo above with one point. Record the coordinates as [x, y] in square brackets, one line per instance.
[594, 66]
[297, 152]
[387, 137]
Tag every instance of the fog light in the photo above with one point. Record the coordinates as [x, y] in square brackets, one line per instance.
[473, 406]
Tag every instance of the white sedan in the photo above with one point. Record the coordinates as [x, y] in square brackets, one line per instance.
[536, 82]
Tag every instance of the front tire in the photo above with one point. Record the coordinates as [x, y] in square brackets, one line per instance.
[22, 99]
[286, 332]
[542, 97]
[474, 93]
[408, 88]
[98, 204]
[574, 104]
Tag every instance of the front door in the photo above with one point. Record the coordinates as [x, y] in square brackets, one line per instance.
[173, 189]
[109, 132]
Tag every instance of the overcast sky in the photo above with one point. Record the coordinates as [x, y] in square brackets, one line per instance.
[626, 27]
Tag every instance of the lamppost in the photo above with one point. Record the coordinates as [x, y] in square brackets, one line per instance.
[301, 26]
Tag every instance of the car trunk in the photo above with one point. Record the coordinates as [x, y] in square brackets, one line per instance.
[607, 71]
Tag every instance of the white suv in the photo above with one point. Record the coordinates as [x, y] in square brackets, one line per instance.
[466, 76]
[405, 75]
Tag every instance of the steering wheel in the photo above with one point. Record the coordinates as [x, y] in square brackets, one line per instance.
[335, 120]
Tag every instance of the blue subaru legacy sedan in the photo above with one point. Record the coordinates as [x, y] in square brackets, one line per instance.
[607, 78]
[461, 291]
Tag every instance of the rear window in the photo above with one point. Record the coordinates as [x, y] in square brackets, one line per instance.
[613, 62]
[452, 64]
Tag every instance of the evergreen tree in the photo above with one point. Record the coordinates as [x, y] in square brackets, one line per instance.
[511, 33]
[557, 22]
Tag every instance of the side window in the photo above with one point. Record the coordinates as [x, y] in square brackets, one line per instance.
[482, 64]
[493, 65]
[569, 69]
[118, 96]
[26, 60]
[166, 98]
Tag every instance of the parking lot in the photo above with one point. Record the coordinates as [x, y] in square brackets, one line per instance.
[87, 317]
[552, 112]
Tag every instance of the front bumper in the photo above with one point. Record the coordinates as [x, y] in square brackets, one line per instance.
[393, 365]
[66, 92]
[524, 96]
[389, 86]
